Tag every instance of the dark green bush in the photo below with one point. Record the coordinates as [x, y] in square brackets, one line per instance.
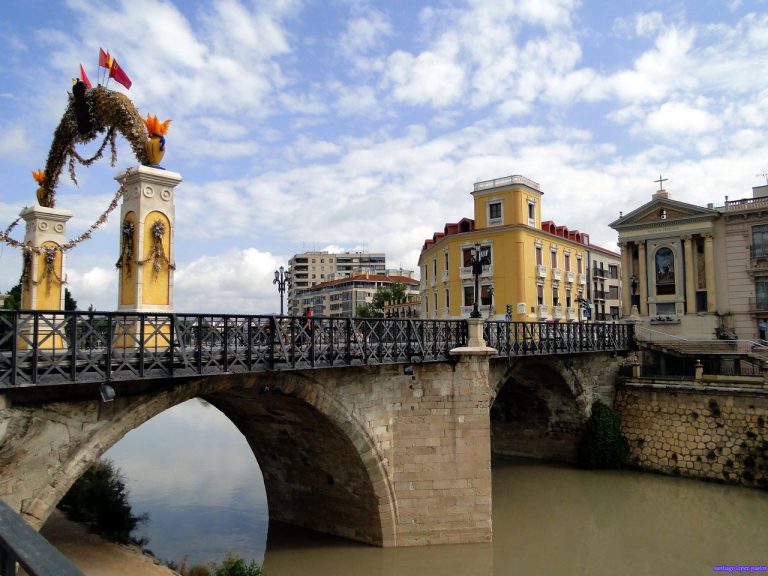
[603, 445]
[99, 499]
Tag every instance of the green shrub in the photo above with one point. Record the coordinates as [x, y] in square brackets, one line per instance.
[99, 499]
[233, 565]
[603, 445]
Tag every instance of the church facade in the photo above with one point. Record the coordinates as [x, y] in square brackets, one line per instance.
[696, 272]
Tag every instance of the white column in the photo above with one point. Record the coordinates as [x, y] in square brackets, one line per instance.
[643, 278]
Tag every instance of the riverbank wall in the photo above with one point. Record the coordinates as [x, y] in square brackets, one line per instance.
[714, 430]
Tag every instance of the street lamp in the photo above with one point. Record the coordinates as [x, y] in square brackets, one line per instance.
[283, 281]
[477, 268]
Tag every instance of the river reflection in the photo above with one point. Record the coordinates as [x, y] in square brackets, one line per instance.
[193, 473]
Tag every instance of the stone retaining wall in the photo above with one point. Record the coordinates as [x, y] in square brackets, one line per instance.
[720, 434]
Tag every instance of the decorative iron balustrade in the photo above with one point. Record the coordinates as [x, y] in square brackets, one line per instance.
[57, 347]
[532, 338]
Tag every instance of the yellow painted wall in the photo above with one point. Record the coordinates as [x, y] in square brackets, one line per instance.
[156, 285]
[514, 273]
[128, 272]
[48, 288]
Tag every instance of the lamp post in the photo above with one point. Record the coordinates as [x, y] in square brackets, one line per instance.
[477, 268]
[283, 281]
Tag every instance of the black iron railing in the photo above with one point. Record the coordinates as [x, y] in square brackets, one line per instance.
[41, 348]
[21, 546]
[56, 347]
[529, 338]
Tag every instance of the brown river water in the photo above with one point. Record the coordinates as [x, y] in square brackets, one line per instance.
[192, 471]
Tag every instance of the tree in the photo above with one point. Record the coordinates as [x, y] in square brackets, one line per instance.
[13, 301]
[99, 499]
[394, 292]
[603, 445]
[69, 302]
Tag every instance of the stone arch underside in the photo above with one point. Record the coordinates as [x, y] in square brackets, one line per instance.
[539, 410]
[321, 470]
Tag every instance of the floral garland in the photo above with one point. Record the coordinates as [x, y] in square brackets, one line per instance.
[126, 248]
[157, 253]
[83, 237]
[110, 138]
[49, 271]
[12, 225]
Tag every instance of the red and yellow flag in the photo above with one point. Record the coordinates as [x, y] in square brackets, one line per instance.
[105, 60]
[119, 75]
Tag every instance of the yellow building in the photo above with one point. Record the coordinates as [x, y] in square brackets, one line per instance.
[534, 269]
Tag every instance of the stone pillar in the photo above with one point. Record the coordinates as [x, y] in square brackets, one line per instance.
[690, 281]
[147, 219]
[642, 278]
[42, 286]
[709, 269]
[626, 272]
[44, 273]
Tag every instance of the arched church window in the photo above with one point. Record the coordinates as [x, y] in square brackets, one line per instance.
[665, 272]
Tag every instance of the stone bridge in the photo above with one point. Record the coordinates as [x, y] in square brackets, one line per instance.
[391, 454]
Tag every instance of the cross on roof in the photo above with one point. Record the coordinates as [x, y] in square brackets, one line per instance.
[661, 181]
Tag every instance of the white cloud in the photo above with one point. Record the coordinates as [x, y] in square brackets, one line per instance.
[363, 33]
[236, 281]
[674, 119]
[14, 142]
[429, 78]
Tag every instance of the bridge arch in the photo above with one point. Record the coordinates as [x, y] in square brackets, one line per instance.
[315, 456]
[540, 404]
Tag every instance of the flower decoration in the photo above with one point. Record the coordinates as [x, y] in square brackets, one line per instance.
[38, 175]
[154, 126]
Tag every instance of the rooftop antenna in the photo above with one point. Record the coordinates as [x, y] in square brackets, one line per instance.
[764, 174]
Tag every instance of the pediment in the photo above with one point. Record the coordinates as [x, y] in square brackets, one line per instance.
[661, 210]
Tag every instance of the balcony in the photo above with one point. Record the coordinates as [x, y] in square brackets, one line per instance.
[506, 181]
[598, 272]
[557, 312]
[569, 276]
[444, 276]
[466, 272]
[582, 279]
[599, 294]
[467, 310]
[542, 311]
[759, 304]
[573, 313]
[557, 274]
[495, 221]
[541, 271]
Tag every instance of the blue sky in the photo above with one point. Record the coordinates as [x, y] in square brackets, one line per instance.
[342, 124]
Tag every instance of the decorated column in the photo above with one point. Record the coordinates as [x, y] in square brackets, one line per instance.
[146, 251]
[146, 240]
[43, 274]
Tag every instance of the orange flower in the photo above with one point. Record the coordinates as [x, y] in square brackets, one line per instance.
[154, 126]
[38, 175]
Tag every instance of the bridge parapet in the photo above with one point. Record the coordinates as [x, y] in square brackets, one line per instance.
[57, 347]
